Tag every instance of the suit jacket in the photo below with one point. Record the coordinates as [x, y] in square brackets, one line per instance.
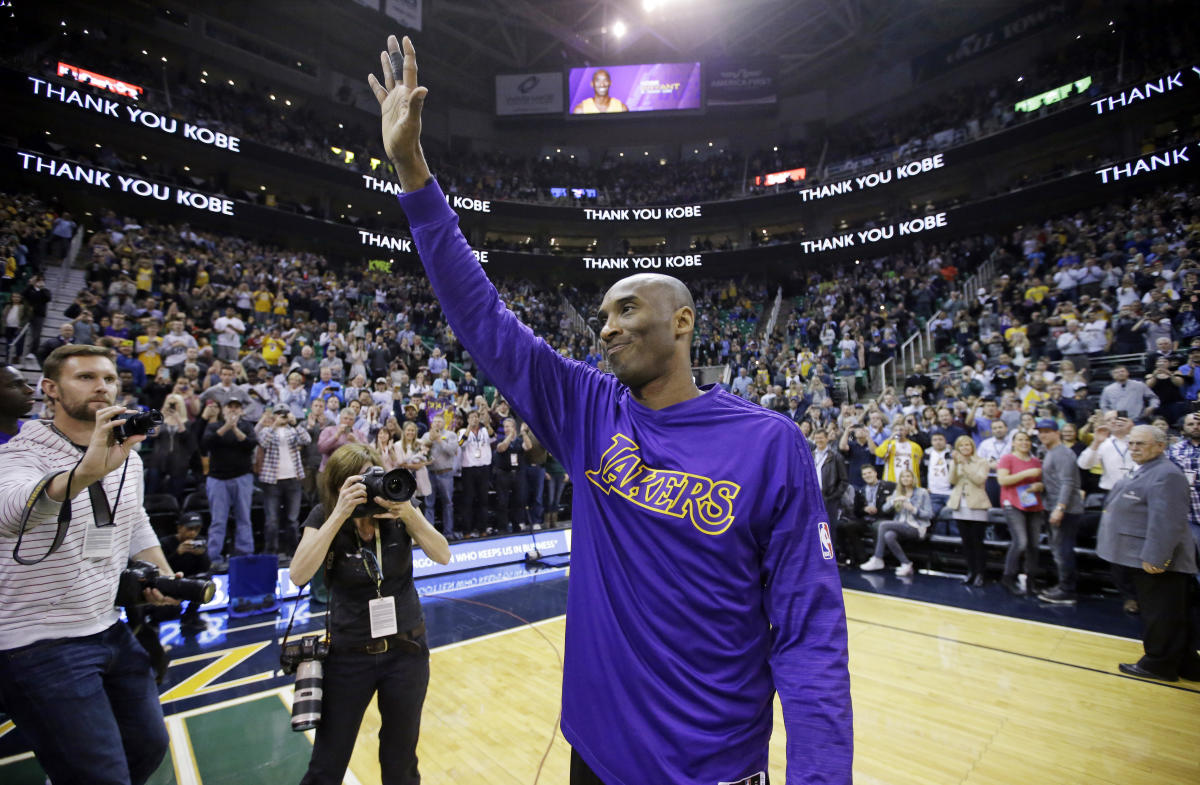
[1146, 519]
[858, 504]
[834, 481]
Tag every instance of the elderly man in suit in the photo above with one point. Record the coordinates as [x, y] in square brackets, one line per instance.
[1144, 529]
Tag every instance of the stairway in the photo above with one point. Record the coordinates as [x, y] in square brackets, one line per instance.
[64, 283]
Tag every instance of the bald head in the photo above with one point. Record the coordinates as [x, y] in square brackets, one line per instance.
[647, 322]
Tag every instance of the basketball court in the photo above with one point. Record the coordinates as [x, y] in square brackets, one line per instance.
[950, 685]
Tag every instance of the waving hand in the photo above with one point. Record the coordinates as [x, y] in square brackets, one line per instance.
[400, 103]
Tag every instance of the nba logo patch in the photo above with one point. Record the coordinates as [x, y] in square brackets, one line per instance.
[826, 540]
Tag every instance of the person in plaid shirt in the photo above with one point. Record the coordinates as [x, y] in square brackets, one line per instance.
[281, 474]
[1186, 455]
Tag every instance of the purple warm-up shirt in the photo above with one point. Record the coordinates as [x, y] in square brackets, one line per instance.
[702, 579]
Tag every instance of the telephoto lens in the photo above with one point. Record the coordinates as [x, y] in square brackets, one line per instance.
[306, 704]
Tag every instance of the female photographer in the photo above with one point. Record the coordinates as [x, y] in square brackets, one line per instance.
[376, 629]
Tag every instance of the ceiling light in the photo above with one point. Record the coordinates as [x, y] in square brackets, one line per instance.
[619, 29]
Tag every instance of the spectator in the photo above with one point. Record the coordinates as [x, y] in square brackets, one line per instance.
[413, 454]
[937, 472]
[1060, 476]
[1167, 386]
[969, 505]
[314, 424]
[899, 453]
[226, 390]
[533, 475]
[1109, 449]
[282, 475]
[38, 297]
[443, 454]
[831, 475]
[16, 316]
[230, 329]
[476, 462]
[173, 451]
[1130, 396]
[556, 482]
[186, 553]
[66, 335]
[912, 512]
[508, 452]
[334, 436]
[1144, 532]
[864, 503]
[1185, 454]
[230, 445]
[1020, 476]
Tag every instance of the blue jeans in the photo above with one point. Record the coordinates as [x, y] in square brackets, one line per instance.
[222, 495]
[535, 479]
[88, 707]
[558, 482]
[443, 491]
[1062, 545]
[289, 491]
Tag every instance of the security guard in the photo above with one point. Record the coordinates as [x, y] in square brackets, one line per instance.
[1145, 530]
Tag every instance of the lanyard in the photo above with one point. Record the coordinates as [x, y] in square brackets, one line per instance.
[375, 571]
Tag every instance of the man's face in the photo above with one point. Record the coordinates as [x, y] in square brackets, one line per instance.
[999, 429]
[1143, 446]
[318, 406]
[600, 84]
[938, 442]
[1048, 437]
[945, 418]
[86, 384]
[870, 475]
[226, 376]
[473, 420]
[639, 331]
[232, 410]
[16, 396]
[820, 440]
[1191, 426]
[1120, 375]
[326, 374]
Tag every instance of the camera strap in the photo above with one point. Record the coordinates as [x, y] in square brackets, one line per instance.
[64, 516]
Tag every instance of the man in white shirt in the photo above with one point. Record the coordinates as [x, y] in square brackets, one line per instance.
[937, 472]
[476, 456]
[1072, 346]
[229, 329]
[1110, 450]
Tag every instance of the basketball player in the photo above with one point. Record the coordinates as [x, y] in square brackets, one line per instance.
[704, 578]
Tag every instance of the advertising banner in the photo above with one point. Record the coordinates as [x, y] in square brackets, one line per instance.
[518, 94]
[1025, 21]
[740, 82]
[655, 87]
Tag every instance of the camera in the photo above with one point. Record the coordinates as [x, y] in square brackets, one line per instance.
[397, 485]
[304, 658]
[141, 575]
[137, 424]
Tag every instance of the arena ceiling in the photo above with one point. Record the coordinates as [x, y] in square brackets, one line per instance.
[464, 42]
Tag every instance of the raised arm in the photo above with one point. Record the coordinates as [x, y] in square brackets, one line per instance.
[547, 390]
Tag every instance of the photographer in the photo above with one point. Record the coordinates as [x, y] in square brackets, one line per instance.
[376, 629]
[72, 677]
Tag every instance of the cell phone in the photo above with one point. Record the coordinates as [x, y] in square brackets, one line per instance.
[1122, 414]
